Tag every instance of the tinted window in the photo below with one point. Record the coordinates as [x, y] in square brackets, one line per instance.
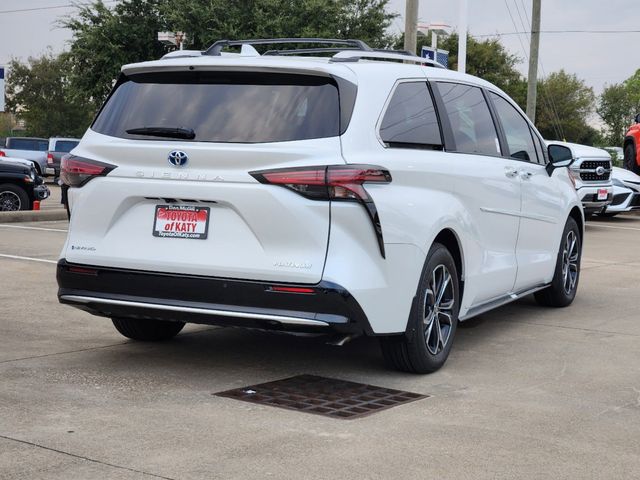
[516, 129]
[65, 146]
[471, 122]
[28, 144]
[410, 119]
[224, 106]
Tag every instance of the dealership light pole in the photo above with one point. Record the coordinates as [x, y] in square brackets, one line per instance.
[411, 26]
[533, 61]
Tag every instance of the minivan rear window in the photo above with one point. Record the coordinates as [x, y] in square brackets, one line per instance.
[236, 107]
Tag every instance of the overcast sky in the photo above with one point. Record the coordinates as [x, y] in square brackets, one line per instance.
[596, 58]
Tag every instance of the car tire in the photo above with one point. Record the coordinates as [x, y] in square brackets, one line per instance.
[432, 325]
[13, 198]
[147, 330]
[564, 285]
[630, 162]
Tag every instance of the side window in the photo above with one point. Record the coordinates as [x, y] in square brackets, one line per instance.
[411, 120]
[516, 129]
[471, 121]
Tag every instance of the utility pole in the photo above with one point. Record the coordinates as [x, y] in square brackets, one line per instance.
[411, 26]
[533, 61]
[462, 38]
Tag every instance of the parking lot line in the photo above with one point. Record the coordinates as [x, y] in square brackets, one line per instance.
[18, 257]
[33, 228]
[612, 226]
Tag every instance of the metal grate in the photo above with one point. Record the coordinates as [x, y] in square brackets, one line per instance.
[593, 164]
[323, 396]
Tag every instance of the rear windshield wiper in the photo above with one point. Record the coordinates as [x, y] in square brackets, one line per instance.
[168, 132]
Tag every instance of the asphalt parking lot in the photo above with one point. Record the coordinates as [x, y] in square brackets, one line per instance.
[527, 392]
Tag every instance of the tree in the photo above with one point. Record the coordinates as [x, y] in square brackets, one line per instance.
[563, 107]
[206, 21]
[617, 106]
[39, 92]
[104, 39]
[487, 59]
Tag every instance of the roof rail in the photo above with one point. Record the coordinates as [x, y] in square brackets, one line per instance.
[217, 47]
[351, 56]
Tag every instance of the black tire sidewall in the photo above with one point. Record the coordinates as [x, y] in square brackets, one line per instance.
[438, 254]
[25, 203]
[630, 162]
[558, 280]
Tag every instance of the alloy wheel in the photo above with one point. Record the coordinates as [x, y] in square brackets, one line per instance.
[9, 202]
[570, 254]
[438, 309]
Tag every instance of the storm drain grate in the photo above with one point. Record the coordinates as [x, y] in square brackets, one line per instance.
[323, 396]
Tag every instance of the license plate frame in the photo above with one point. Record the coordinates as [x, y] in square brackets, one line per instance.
[181, 222]
[603, 194]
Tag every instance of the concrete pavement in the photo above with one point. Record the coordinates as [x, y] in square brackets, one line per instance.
[527, 392]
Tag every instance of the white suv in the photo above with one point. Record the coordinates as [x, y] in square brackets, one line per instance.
[366, 193]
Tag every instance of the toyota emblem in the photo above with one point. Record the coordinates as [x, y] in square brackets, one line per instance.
[600, 171]
[178, 158]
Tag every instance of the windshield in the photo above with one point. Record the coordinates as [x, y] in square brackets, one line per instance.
[235, 107]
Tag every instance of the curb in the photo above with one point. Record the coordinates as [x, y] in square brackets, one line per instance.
[33, 216]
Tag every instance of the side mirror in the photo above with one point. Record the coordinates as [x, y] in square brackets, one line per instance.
[559, 157]
[638, 118]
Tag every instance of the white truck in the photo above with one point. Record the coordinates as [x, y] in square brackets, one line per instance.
[29, 148]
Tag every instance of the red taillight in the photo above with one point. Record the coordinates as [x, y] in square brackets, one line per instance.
[2, 154]
[49, 159]
[291, 289]
[333, 182]
[76, 171]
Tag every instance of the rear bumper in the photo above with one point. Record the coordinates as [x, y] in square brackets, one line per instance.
[112, 292]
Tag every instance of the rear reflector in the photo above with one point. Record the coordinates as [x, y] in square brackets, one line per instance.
[83, 271]
[76, 171]
[291, 289]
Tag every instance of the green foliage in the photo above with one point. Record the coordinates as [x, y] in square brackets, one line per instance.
[39, 92]
[206, 21]
[564, 104]
[618, 105]
[104, 39]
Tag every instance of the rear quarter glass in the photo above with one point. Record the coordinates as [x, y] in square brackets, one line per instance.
[226, 107]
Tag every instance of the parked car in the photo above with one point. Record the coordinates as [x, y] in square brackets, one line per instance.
[626, 192]
[57, 148]
[32, 149]
[20, 185]
[591, 172]
[632, 147]
[367, 193]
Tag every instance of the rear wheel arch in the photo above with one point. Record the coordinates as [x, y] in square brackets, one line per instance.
[450, 239]
[577, 216]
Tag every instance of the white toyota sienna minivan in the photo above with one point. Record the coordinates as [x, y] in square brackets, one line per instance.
[355, 192]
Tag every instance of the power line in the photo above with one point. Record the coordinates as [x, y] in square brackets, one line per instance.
[504, 34]
[52, 7]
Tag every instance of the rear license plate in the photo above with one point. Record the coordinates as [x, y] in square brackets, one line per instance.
[181, 221]
[602, 194]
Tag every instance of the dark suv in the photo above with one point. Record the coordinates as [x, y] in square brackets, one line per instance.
[20, 185]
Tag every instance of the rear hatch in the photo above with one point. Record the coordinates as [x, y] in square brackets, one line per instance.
[189, 205]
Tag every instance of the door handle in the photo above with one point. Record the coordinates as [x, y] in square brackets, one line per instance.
[510, 172]
[525, 175]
